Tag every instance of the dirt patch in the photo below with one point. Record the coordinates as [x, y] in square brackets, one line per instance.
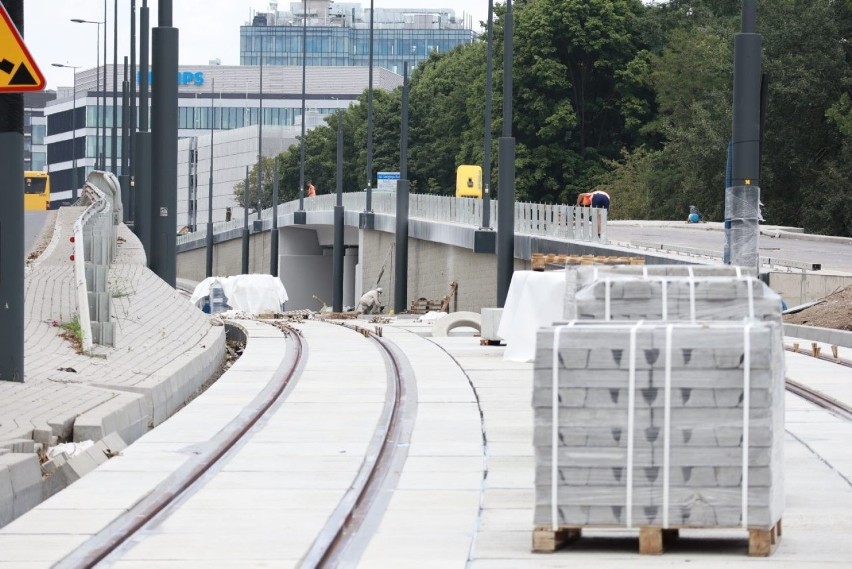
[835, 311]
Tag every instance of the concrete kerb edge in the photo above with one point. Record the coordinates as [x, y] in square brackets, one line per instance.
[157, 397]
[815, 334]
[24, 483]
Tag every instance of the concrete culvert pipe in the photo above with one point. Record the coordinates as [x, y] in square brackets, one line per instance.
[442, 326]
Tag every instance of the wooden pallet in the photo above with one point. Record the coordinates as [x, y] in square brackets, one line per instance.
[652, 540]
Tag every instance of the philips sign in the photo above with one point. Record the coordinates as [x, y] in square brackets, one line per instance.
[185, 78]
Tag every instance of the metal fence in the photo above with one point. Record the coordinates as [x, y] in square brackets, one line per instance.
[94, 250]
[557, 221]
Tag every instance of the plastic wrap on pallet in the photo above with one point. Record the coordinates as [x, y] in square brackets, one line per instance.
[742, 215]
[678, 298]
[578, 277]
[659, 424]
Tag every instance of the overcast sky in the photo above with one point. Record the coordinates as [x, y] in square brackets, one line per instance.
[209, 29]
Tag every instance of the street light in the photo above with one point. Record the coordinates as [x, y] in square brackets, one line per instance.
[98, 81]
[73, 128]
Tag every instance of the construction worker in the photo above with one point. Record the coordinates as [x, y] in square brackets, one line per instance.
[369, 303]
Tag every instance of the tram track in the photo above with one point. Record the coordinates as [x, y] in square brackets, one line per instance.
[816, 397]
[348, 526]
[352, 523]
[123, 528]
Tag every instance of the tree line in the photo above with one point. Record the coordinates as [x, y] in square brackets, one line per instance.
[631, 98]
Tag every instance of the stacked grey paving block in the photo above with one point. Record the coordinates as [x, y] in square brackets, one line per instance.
[669, 402]
[683, 438]
[677, 298]
[579, 277]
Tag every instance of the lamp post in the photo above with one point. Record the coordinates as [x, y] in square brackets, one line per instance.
[74, 69]
[98, 87]
[300, 217]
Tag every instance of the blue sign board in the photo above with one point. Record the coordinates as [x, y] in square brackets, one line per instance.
[386, 181]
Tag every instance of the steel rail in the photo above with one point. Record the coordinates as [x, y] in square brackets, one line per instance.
[330, 548]
[816, 397]
[101, 545]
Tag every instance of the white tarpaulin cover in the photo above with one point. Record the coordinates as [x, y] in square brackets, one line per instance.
[254, 294]
[535, 299]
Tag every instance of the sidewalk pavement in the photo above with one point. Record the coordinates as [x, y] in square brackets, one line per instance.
[165, 349]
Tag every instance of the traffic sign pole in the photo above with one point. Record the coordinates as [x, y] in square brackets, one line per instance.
[12, 218]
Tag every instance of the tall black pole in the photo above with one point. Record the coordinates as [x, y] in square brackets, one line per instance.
[369, 206]
[400, 294]
[489, 88]
[104, 97]
[164, 123]
[131, 144]
[260, 138]
[245, 267]
[114, 145]
[742, 199]
[506, 188]
[125, 144]
[12, 223]
[273, 235]
[209, 271]
[74, 138]
[300, 217]
[97, 98]
[144, 49]
[339, 251]
[142, 189]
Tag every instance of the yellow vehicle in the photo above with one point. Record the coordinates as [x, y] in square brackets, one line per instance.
[36, 191]
[468, 181]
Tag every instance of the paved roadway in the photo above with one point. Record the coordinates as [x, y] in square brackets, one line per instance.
[834, 256]
[33, 223]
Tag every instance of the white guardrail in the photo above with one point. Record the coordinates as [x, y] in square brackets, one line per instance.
[557, 221]
[94, 250]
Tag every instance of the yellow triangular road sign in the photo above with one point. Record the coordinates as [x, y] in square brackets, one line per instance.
[18, 70]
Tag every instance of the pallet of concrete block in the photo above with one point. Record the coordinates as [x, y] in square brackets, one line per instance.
[677, 298]
[703, 283]
[658, 426]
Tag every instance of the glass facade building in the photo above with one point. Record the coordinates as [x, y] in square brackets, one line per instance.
[342, 38]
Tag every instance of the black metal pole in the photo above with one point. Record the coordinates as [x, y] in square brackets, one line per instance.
[209, 271]
[742, 199]
[12, 223]
[125, 144]
[131, 145]
[74, 137]
[369, 206]
[260, 138]
[103, 96]
[245, 267]
[114, 145]
[400, 294]
[164, 122]
[302, 139]
[97, 98]
[489, 88]
[142, 217]
[506, 187]
[144, 48]
[273, 234]
[339, 250]
[142, 224]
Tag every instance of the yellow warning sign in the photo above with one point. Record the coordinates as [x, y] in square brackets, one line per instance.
[18, 70]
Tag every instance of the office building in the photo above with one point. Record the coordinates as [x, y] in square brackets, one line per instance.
[236, 105]
[338, 34]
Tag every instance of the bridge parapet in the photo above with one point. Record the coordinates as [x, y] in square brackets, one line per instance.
[546, 220]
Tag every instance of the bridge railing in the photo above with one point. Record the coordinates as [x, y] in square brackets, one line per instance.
[549, 220]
